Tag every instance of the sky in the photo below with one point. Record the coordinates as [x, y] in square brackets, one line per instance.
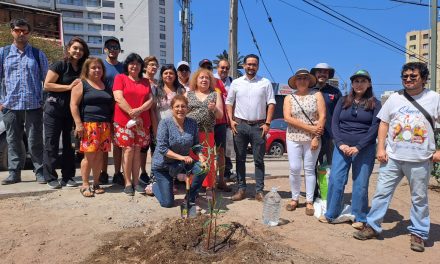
[308, 38]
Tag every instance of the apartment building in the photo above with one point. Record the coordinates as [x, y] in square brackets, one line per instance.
[142, 26]
[418, 47]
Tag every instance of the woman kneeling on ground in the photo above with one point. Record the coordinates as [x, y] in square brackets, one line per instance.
[304, 112]
[91, 104]
[176, 136]
[354, 128]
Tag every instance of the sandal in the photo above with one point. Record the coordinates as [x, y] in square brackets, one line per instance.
[86, 192]
[292, 205]
[310, 211]
[98, 189]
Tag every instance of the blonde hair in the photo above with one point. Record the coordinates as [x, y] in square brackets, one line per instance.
[193, 81]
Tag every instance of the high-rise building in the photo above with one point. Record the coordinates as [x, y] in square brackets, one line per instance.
[417, 45]
[142, 26]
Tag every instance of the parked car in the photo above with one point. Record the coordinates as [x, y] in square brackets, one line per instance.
[276, 138]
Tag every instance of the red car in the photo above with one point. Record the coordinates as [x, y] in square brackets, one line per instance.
[276, 138]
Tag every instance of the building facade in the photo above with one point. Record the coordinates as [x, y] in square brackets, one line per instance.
[418, 49]
[142, 26]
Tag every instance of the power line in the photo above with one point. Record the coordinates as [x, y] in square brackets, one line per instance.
[276, 34]
[255, 41]
[366, 8]
[412, 3]
[403, 50]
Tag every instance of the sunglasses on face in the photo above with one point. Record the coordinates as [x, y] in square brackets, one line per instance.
[113, 47]
[224, 68]
[18, 31]
[413, 77]
[302, 78]
[184, 69]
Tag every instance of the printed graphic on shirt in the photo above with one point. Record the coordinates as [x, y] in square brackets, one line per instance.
[409, 128]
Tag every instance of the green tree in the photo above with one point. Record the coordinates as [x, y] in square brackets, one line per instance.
[52, 48]
[225, 55]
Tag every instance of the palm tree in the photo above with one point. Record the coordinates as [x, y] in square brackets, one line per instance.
[225, 55]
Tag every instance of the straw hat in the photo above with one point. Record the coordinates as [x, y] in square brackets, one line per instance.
[301, 72]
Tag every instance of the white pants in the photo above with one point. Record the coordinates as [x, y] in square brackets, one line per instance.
[297, 153]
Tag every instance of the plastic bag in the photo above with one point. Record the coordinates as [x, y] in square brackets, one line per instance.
[320, 207]
[323, 176]
[345, 215]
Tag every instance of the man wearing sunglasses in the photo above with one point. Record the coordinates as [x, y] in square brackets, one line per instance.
[183, 73]
[22, 72]
[223, 74]
[113, 67]
[406, 147]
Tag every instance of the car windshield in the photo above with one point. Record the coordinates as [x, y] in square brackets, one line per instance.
[278, 124]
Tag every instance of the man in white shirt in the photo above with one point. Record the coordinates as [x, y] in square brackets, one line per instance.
[409, 151]
[251, 94]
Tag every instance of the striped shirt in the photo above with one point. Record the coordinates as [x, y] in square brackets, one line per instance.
[23, 79]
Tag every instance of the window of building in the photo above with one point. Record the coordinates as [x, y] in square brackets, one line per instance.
[71, 2]
[162, 27]
[412, 37]
[162, 36]
[163, 53]
[121, 5]
[163, 61]
[425, 55]
[161, 10]
[74, 14]
[163, 45]
[94, 3]
[94, 27]
[73, 26]
[412, 57]
[68, 37]
[95, 51]
[44, 1]
[94, 39]
[425, 46]
[412, 47]
[94, 15]
[425, 36]
[162, 2]
[108, 3]
[106, 15]
[108, 27]
[162, 19]
[121, 28]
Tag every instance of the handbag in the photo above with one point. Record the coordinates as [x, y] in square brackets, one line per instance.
[436, 166]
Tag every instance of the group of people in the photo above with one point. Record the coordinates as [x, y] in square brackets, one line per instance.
[185, 119]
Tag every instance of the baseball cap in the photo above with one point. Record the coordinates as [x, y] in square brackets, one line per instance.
[182, 63]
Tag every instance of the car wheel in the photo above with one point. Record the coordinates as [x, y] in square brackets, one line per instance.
[4, 153]
[276, 149]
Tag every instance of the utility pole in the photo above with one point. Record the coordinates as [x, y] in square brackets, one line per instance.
[186, 22]
[433, 69]
[233, 54]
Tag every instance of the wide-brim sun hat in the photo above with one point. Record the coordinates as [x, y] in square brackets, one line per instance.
[361, 73]
[301, 72]
[323, 66]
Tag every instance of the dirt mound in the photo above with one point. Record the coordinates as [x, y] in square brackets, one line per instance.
[184, 241]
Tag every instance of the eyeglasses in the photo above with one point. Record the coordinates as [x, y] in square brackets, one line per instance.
[18, 31]
[113, 47]
[153, 65]
[413, 77]
[354, 109]
[224, 68]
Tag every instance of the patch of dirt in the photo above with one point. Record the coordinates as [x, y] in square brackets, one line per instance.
[184, 241]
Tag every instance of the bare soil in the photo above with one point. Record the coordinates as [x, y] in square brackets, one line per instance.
[64, 227]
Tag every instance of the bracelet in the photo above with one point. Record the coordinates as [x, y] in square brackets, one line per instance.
[267, 124]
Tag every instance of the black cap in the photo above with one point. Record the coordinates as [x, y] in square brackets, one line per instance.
[112, 39]
[205, 61]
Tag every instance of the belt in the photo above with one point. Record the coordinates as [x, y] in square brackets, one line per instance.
[255, 122]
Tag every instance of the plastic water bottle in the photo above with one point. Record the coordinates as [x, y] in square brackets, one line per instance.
[271, 208]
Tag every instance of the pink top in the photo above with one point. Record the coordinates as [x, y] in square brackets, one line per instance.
[135, 93]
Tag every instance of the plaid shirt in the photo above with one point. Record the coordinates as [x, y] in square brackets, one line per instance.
[23, 79]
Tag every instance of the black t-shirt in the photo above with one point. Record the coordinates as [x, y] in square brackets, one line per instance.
[66, 75]
[96, 105]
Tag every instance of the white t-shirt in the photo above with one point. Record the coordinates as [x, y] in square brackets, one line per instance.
[410, 136]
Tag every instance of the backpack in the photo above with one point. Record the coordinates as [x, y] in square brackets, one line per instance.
[6, 50]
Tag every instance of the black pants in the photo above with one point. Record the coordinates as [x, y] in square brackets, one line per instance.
[54, 127]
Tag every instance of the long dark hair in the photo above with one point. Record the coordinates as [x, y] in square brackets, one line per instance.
[367, 101]
[160, 92]
[85, 50]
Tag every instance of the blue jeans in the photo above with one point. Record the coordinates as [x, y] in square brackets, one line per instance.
[16, 121]
[362, 165]
[163, 187]
[250, 134]
[390, 174]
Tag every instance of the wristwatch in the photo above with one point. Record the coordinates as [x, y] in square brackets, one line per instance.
[268, 124]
